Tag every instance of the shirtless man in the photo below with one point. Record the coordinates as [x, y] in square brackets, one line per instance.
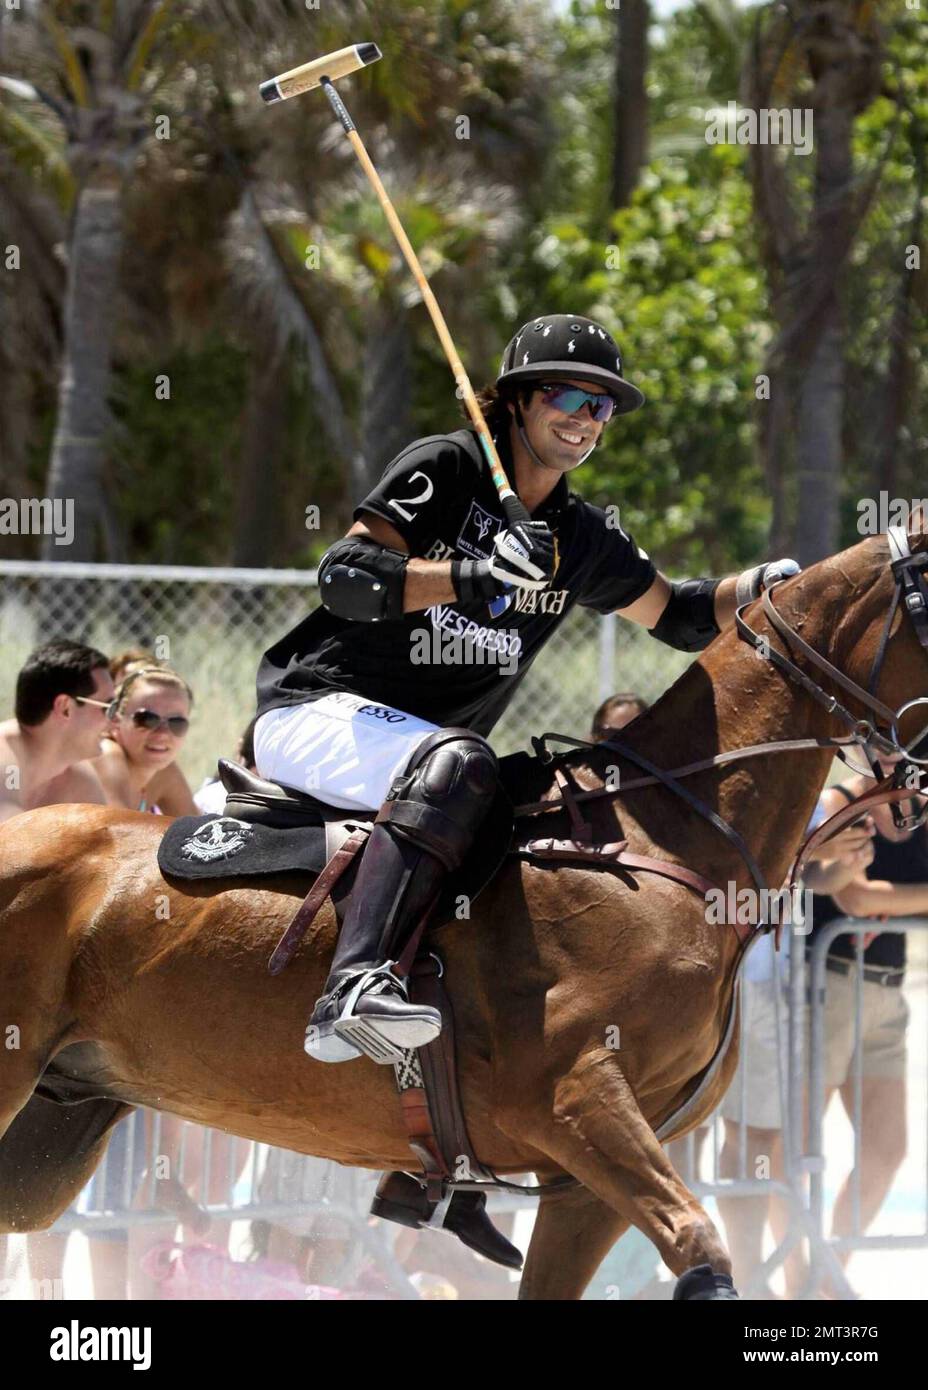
[62, 693]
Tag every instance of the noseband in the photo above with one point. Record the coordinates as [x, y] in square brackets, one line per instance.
[910, 588]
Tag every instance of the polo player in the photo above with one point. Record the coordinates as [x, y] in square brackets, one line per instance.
[433, 610]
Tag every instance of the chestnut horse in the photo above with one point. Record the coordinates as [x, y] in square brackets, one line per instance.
[154, 995]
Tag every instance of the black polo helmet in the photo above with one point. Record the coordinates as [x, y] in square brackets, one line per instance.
[559, 346]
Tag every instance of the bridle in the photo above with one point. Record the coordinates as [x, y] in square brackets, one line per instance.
[909, 588]
[874, 735]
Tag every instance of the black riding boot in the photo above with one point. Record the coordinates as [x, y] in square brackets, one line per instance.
[364, 1006]
[402, 1199]
[423, 830]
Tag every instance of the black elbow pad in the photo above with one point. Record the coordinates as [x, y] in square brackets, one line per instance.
[362, 580]
[688, 622]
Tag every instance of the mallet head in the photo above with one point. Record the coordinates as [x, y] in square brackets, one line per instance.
[333, 66]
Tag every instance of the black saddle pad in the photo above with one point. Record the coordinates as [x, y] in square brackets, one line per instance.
[222, 847]
[197, 847]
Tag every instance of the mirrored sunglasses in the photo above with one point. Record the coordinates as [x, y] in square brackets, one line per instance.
[570, 399]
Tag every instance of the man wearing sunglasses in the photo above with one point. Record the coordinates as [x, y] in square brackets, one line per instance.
[433, 611]
[62, 694]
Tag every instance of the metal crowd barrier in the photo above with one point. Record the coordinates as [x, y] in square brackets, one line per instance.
[816, 1155]
[799, 1008]
[247, 1182]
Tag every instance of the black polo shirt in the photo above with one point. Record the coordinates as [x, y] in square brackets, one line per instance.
[453, 663]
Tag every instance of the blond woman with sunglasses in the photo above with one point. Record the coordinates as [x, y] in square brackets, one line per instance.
[146, 727]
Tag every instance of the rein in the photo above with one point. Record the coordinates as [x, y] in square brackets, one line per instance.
[909, 586]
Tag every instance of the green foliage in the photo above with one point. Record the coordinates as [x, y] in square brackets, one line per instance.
[171, 460]
[879, 261]
[680, 287]
[512, 221]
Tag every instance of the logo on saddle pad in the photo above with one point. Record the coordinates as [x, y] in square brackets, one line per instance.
[220, 839]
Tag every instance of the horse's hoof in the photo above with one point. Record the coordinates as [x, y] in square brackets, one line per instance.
[700, 1284]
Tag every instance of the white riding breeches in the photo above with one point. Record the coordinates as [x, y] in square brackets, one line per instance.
[344, 749]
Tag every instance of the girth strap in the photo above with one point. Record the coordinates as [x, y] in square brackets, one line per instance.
[427, 1081]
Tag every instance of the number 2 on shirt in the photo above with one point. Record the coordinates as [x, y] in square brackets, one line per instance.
[397, 502]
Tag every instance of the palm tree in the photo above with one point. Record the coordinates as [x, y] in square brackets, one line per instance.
[37, 190]
[698, 71]
[826, 57]
[90, 61]
[630, 143]
[100, 69]
[454, 196]
[100, 74]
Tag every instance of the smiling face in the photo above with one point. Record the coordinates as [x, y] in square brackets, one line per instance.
[558, 438]
[151, 748]
[89, 722]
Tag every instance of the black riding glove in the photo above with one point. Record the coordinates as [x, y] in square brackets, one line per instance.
[523, 558]
[524, 555]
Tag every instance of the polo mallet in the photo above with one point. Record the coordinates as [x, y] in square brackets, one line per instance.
[322, 72]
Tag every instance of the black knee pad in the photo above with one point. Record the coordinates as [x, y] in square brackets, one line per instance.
[451, 757]
[444, 794]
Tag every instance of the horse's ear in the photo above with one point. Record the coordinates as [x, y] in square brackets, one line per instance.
[918, 526]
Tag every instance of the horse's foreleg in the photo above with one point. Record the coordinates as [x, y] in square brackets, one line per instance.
[47, 1154]
[574, 1231]
[597, 1133]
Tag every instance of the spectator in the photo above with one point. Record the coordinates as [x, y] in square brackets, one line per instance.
[62, 693]
[753, 1134]
[194, 1168]
[125, 661]
[616, 713]
[151, 718]
[138, 769]
[895, 885]
[323, 1241]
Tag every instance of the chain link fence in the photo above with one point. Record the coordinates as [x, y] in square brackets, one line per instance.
[212, 625]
